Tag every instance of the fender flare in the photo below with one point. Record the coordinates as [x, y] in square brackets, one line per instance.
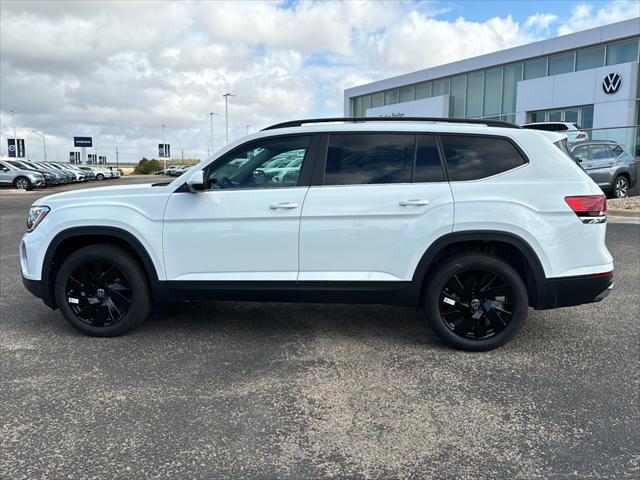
[539, 278]
[73, 232]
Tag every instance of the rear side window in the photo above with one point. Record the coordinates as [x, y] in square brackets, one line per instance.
[472, 158]
[598, 152]
[355, 159]
[617, 150]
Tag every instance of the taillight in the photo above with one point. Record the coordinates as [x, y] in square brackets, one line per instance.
[590, 208]
[581, 136]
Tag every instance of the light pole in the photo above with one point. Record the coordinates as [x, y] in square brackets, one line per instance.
[226, 114]
[247, 129]
[211, 114]
[15, 137]
[164, 158]
[44, 143]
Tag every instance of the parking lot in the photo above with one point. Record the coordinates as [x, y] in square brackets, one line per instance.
[247, 390]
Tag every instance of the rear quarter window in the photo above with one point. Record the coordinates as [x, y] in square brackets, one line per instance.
[476, 157]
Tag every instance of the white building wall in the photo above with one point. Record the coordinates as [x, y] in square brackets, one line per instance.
[425, 107]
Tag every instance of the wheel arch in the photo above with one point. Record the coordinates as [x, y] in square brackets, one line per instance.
[74, 238]
[502, 244]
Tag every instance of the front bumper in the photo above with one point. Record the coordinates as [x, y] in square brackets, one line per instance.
[571, 291]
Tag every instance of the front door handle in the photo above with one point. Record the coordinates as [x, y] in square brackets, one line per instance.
[416, 202]
[283, 206]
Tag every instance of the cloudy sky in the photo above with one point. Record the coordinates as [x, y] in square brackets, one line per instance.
[118, 70]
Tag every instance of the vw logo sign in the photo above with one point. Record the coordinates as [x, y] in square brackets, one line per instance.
[611, 83]
[12, 148]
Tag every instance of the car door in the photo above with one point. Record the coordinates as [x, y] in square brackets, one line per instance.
[378, 200]
[600, 164]
[245, 225]
[6, 177]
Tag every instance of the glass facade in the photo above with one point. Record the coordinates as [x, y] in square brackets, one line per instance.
[590, 58]
[581, 115]
[492, 92]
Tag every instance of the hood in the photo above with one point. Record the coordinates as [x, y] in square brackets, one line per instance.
[95, 195]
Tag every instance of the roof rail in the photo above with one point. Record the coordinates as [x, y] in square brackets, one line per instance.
[475, 121]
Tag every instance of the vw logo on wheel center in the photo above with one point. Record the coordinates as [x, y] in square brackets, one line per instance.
[611, 83]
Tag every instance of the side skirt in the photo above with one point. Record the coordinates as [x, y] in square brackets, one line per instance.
[386, 293]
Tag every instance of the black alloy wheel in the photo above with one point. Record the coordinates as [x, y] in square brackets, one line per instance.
[102, 290]
[98, 294]
[621, 187]
[476, 302]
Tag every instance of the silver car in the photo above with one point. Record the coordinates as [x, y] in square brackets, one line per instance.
[609, 164]
[12, 176]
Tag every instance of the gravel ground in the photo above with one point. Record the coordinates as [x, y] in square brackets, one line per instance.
[233, 390]
[631, 203]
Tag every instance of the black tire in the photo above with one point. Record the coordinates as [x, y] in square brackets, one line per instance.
[99, 176]
[22, 183]
[620, 187]
[124, 287]
[460, 325]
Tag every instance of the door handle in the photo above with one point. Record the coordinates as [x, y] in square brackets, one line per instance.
[417, 202]
[283, 206]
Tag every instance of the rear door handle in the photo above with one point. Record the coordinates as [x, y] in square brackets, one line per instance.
[416, 202]
[283, 206]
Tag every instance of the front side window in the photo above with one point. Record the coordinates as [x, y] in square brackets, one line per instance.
[474, 157]
[356, 159]
[269, 163]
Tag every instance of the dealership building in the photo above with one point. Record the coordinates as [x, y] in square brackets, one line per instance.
[590, 78]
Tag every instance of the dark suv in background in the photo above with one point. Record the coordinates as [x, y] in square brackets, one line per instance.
[609, 164]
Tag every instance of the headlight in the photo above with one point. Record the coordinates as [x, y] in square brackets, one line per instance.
[36, 215]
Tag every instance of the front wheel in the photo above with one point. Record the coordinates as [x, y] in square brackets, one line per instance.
[100, 177]
[102, 291]
[476, 302]
[22, 183]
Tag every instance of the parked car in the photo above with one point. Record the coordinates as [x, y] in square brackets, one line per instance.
[370, 219]
[609, 164]
[50, 178]
[68, 176]
[574, 132]
[11, 176]
[89, 172]
[76, 176]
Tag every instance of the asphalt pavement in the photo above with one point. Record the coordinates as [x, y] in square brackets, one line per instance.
[248, 390]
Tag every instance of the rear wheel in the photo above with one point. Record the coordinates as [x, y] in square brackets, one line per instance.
[102, 291]
[476, 302]
[22, 183]
[621, 187]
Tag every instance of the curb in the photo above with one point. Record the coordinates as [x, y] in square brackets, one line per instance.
[623, 213]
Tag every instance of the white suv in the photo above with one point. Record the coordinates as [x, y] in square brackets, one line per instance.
[573, 132]
[474, 221]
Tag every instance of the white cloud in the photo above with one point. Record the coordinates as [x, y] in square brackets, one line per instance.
[118, 70]
[541, 21]
[584, 17]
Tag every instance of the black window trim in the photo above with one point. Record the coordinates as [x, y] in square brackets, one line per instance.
[498, 137]
[308, 162]
[321, 157]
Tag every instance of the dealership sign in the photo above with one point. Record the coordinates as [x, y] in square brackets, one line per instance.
[82, 142]
[611, 83]
[15, 150]
[164, 149]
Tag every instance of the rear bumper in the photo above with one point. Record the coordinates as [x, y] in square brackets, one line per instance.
[571, 291]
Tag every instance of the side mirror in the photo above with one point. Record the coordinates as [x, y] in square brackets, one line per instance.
[196, 182]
